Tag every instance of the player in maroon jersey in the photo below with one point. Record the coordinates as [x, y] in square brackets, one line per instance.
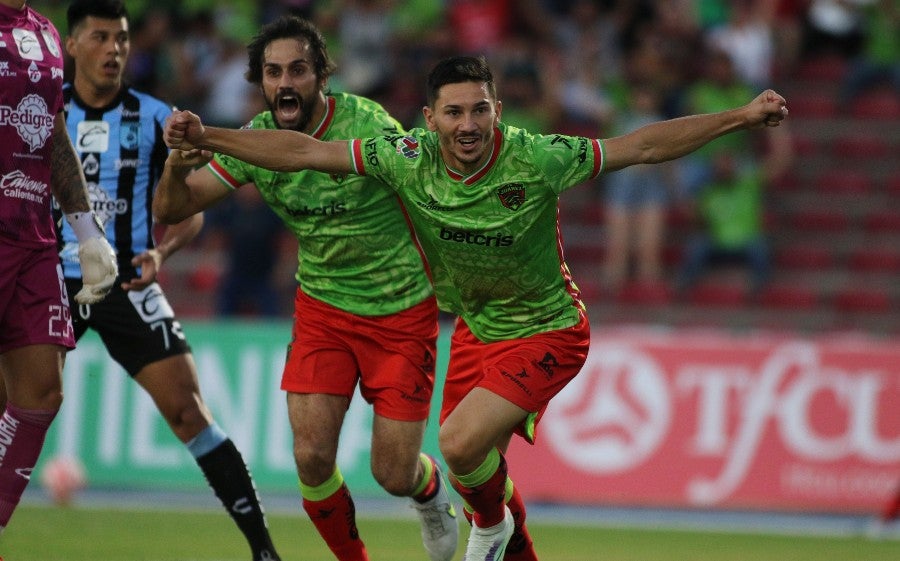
[37, 162]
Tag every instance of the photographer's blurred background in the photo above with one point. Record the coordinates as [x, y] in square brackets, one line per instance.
[815, 247]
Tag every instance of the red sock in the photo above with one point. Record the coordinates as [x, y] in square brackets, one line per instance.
[22, 434]
[431, 488]
[487, 499]
[520, 547]
[335, 519]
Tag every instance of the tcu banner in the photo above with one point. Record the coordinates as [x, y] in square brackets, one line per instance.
[713, 420]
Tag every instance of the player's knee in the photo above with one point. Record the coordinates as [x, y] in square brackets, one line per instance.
[313, 464]
[51, 400]
[454, 449]
[186, 421]
[398, 483]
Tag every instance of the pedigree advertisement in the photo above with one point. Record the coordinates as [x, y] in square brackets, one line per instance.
[713, 420]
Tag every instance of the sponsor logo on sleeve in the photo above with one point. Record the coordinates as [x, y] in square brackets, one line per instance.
[408, 147]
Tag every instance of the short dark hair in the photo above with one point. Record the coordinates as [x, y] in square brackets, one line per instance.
[457, 69]
[288, 27]
[80, 10]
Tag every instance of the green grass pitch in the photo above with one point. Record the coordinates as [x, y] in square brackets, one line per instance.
[43, 533]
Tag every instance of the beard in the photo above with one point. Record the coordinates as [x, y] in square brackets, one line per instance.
[291, 102]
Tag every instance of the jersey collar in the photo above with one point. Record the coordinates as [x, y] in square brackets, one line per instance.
[115, 102]
[482, 171]
[326, 119]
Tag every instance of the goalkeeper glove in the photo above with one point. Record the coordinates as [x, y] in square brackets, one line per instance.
[98, 260]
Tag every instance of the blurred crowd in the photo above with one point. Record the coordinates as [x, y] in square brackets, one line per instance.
[587, 67]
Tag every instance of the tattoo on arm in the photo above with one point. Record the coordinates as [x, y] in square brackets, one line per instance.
[67, 178]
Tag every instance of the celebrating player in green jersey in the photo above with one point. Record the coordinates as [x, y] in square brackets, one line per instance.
[483, 199]
[365, 311]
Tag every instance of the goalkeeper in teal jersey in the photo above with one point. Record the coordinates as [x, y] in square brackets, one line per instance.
[483, 199]
[365, 312]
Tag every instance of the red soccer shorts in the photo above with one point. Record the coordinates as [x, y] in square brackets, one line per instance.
[34, 306]
[527, 372]
[391, 357]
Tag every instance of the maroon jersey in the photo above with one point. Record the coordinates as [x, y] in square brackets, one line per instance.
[31, 73]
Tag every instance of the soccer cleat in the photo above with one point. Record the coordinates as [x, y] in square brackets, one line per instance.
[489, 544]
[440, 529]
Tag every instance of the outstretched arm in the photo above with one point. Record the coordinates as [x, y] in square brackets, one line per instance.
[667, 140]
[183, 191]
[277, 150]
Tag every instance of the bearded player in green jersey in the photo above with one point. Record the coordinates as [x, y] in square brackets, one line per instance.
[483, 197]
[365, 311]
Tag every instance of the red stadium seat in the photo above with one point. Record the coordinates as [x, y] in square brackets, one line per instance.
[645, 293]
[860, 147]
[204, 278]
[585, 252]
[882, 220]
[789, 297]
[590, 289]
[875, 259]
[805, 256]
[861, 299]
[843, 182]
[813, 105]
[672, 254]
[820, 220]
[881, 103]
[804, 144]
[824, 68]
[592, 213]
[892, 185]
[718, 295]
[786, 182]
[679, 218]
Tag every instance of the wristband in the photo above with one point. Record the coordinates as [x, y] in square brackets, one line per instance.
[86, 225]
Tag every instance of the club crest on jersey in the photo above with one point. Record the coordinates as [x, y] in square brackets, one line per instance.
[512, 195]
[50, 40]
[129, 135]
[408, 147]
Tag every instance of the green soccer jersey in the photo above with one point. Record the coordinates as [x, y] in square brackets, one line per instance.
[356, 250]
[492, 238]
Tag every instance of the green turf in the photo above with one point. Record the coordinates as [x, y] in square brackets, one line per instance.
[38, 533]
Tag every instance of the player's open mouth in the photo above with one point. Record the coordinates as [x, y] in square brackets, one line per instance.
[111, 67]
[468, 142]
[288, 105]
